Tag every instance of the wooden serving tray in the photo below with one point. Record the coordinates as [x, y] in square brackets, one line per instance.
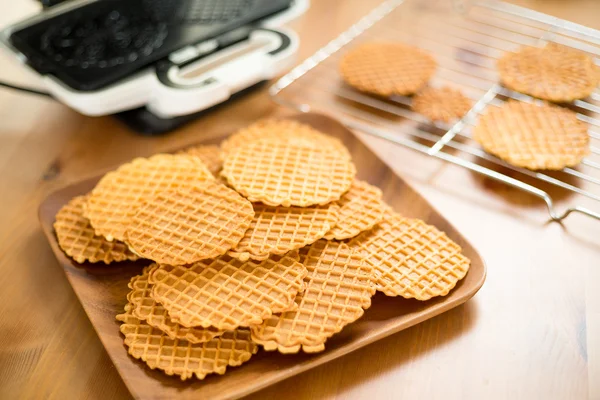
[102, 291]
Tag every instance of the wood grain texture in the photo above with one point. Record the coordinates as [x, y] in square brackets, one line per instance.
[103, 290]
[531, 332]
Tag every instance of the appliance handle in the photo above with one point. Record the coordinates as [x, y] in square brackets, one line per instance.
[212, 78]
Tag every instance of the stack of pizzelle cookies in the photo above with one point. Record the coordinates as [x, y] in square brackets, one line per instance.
[283, 251]
[537, 136]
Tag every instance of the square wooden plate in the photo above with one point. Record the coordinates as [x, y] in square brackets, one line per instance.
[102, 291]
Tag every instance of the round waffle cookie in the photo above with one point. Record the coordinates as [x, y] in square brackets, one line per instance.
[441, 104]
[208, 154]
[188, 225]
[110, 204]
[361, 209]
[277, 230]
[282, 129]
[555, 72]
[77, 239]
[411, 259]
[533, 136]
[386, 69]
[183, 358]
[154, 314]
[288, 173]
[338, 290]
[226, 293]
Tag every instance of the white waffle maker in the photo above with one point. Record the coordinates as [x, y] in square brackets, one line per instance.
[158, 68]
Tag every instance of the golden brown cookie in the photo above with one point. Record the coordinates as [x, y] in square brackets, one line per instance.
[154, 314]
[386, 69]
[338, 290]
[410, 258]
[533, 136]
[554, 72]
[361, 209]
[189, 225]
[77, 239]
[180, 357]
[208, 154]
[441, 104]
[288, 173]
[118, 193]
[226, 293]
[281, 129]
[278, 230]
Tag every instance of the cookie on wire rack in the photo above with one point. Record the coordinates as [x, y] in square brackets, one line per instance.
[387, 69]
[144, 307]
[288, 173]
[183, 358]
[226, 293]
[361, 209]
[533, 136]
[338, 290]
[555, 72]
[194, 223]
[77, 239]
[443, 104]
[278, 230]
[410, 258]
[118, 193]
[281, 129]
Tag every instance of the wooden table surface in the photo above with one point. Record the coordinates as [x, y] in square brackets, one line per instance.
[533, 331]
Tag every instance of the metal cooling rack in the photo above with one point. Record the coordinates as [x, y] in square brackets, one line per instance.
[466, 39]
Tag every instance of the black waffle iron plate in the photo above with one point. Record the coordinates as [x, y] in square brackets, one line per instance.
[100, 42]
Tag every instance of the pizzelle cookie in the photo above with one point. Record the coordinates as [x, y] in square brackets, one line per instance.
[288, 173]
[226, 293]
[556, 73]
[281, 129]
[338, 290]
[183, 358]
[118, 193]
[208, 154]
[441, 104]
[410, 258]
[191, 224]
[361, 209]
[77, 239]
[533, 136]
[387, 69]
[277, 230]
[154, 314]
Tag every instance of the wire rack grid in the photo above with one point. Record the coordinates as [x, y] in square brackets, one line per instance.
[466, 38]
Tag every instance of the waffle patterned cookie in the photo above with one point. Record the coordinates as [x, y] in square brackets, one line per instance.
[441, 104]
[277, 230]
[226, 293]
[77, 239]
[208, 154]
[191, 224]
[282, 129]
[288, 173]
[386, 69]
[533, 136]
[338, 290]
[554, 72]
[119, 192]
[411, 259]
[180, 357]
[361, 209]
[149, 310]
